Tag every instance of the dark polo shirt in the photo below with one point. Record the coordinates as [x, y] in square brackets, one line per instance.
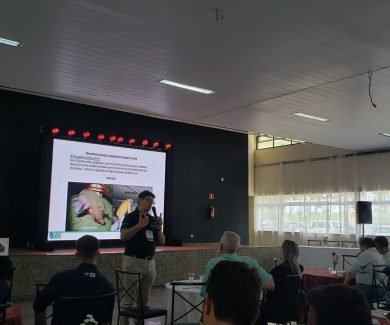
[143, 243]
[83, 281]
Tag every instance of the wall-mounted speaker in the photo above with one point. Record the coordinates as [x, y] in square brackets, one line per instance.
[363, 212]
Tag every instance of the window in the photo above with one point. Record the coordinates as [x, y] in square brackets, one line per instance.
[331, 213]
[265, 141]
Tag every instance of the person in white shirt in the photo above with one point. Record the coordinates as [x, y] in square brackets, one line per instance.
[382, 246]
[362, 268]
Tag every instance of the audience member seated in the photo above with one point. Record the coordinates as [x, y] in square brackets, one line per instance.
[362, 268]
[85, 280]
[338, 304]
[5, 273]
[229, 245]
[382, 246]
[232, 295]
[281, 305]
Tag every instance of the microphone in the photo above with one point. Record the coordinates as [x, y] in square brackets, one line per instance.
[154, 212]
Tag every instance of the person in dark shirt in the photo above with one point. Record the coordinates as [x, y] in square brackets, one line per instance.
[281, 305]
[85, 280]
[5, 277]
[141, 232]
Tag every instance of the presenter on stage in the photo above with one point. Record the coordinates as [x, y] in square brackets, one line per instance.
[141, 232]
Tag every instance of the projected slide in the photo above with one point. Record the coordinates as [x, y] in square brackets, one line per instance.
[94, 186]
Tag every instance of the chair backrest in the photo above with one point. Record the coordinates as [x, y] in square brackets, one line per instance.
[294, 283]
[3, 312]
[194, 306]
[380, 278]
[348, 260]
[73, 310]
[331, 243]
[125, 282]
[314, 242]
[349, 243]
[8, 276]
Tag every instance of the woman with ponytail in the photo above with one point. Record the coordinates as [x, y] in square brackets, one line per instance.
[281, 305]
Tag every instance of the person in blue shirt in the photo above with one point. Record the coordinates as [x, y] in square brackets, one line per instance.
[229, 245]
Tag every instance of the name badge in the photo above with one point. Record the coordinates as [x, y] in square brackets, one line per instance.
[149, 235]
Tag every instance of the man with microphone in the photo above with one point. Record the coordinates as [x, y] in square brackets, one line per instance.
[141, 232]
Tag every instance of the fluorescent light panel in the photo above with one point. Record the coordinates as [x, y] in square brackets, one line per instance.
[312, 117]
[188, 87]
[10, 42]
[385, 134]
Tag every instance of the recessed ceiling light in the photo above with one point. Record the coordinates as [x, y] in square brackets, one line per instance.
[385, 134]
[188, 87]
[312, 117]
[10, 42]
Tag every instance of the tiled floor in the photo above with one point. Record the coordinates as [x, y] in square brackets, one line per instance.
[156, 299]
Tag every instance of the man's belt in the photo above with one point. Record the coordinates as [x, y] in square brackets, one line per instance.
[148, 258]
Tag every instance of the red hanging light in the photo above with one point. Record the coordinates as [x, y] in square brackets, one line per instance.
[145, 142]
[132, 140]
[112, 138]
[120, 139]
[155, 144]
[101, 137]
[55, 130]
[168, 146]
[71, 133]
[86, 134]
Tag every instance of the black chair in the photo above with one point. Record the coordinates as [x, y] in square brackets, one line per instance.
[285, 305]
[73, 310]
[6, 275]
[193, 306]
[331, 243]
[347, 259]
[3, 312]
[140, 311]
[349, 244]
[314, 242]
[380, 287]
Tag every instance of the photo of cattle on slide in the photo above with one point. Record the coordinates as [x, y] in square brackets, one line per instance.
[99, 207]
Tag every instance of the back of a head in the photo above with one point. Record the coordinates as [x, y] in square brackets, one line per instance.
[230, 241]
[381, 241]
[87, 247]
[234, 289]
[290, 252]
[367, 242]
[339, 305]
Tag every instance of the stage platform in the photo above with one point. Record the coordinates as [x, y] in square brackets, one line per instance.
[172, 263]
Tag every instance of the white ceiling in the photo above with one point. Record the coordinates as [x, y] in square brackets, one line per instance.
[265, 60]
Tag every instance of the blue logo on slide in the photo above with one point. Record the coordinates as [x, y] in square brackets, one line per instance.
[54, 235]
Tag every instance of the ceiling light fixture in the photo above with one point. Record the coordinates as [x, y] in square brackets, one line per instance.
[10, 42]
[188, 87]
[312, 117]
[385, 134]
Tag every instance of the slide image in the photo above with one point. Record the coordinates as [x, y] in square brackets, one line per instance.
[89, 207]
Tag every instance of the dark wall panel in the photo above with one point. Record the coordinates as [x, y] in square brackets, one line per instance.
[200, 158]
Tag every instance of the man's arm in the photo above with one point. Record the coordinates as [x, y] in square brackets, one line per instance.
[160, 238]
[43, 299]
[129, 233]
[349, 277]
[266, 278]
[160, 234]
